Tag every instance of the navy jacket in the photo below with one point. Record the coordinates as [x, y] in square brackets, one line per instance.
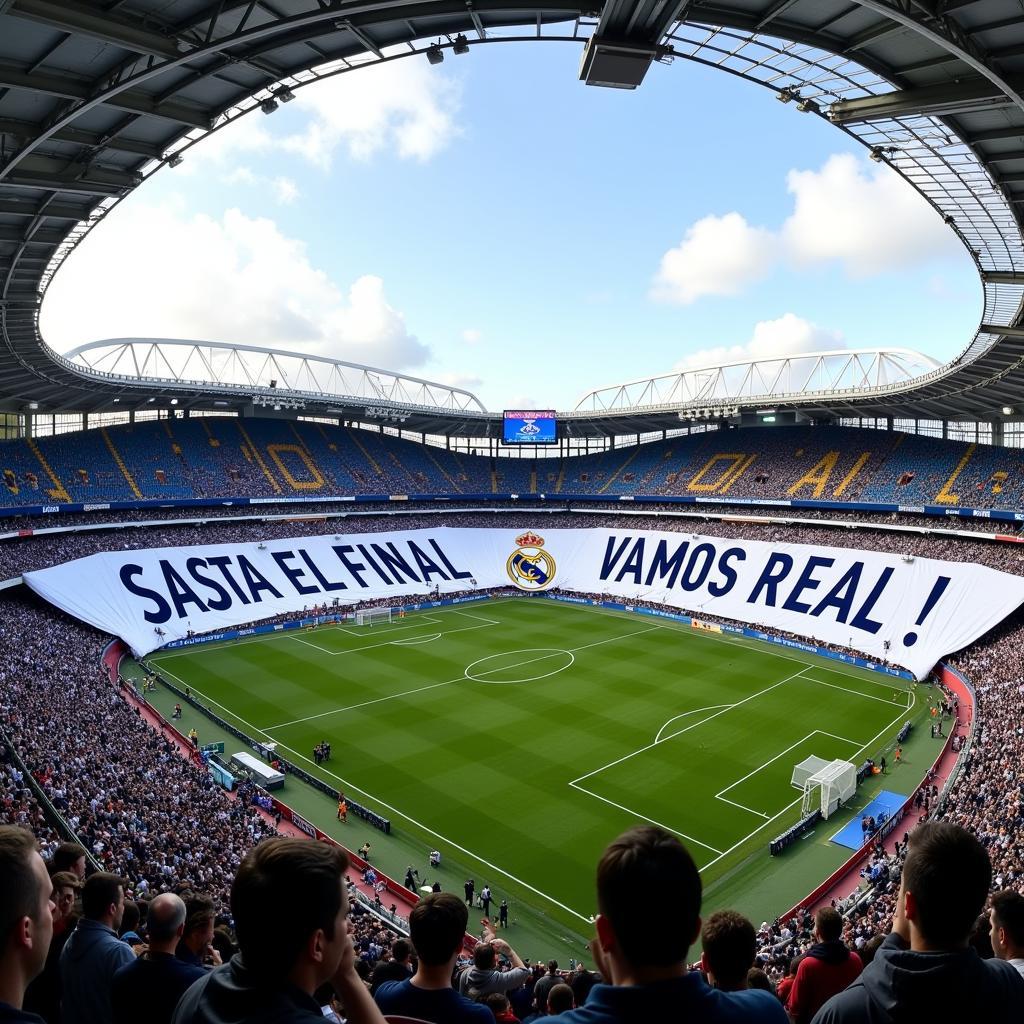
[149, 988]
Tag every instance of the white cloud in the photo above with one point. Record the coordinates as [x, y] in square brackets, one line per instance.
[232, 278]
[466, 381]
[717, 256]
[285, 190]
[406, 105]
[471, 336]
[863, 216]
[789, 335]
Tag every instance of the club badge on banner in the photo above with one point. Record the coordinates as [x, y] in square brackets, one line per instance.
[908, 611]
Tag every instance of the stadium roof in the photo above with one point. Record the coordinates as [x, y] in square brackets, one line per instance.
[95, 96]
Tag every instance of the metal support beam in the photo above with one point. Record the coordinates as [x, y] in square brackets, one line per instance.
[1006, 332]
[93, 140]
[1002, 277]
[936, 100]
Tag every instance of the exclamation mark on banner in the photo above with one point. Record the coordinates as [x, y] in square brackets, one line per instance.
[937, 591]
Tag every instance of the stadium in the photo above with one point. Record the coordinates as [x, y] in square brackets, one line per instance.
[766, 608]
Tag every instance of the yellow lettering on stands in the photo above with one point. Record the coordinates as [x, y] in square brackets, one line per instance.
[317, 481]
[732, 476]
[818, 475]
[944, 497]
[733, 458]
[848, 479]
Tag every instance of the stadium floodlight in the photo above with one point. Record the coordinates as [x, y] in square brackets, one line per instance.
[33, 405]
[284, 94]
[174, 401]
[435, 54]
[461, 44]
[269, 105]
[787, 95]
[808, 107]
[1007, 410]
[175, 160]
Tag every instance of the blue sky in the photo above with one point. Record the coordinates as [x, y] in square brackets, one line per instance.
[494, 223]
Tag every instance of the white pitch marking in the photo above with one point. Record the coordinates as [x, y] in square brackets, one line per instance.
[416, 640]
[636, 814]
[742, 807]
[626, 757]
[696, 711]
[856, 693]
[394, 810]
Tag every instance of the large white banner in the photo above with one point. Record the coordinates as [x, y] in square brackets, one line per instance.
[894, 608]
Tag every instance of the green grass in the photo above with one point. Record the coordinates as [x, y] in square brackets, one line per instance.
[520, 736]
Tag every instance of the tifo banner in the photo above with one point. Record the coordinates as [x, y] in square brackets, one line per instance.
[892, 608]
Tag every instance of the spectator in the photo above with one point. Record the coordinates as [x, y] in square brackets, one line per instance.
[729, 945]
[93, 953]
[642, 955]
[149, 987]
[925, 969]
[290, 907]
[43, 995]
[1007, 916]
[544, 985]
[437, 927]
[782, 991]
[560, 999]
[196, 945]
[484, 977]
[757, 978]
[26, 920]
[826, 968]
[498, 1004]
[128, 929]
[397, 968]
[69, 857]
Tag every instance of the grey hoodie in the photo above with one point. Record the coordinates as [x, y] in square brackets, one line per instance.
[88, 962]
[483, 982]
[903, 987]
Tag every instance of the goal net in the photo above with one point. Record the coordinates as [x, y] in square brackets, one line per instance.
[830, 787]
[371, 616]
[805, 769]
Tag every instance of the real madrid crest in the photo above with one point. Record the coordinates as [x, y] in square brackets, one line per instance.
[530, 567]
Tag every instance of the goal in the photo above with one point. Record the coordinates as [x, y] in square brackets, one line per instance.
[829, 787]
[371, 616]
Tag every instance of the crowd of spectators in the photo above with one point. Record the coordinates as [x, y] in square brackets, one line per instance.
[155, 819]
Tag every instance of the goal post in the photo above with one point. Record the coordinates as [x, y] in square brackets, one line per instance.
[829, 787]
[805, 769]
[372, 616]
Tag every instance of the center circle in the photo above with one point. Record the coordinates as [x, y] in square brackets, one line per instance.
[524, 666]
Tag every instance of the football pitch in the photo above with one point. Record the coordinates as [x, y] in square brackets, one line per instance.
[522, 735]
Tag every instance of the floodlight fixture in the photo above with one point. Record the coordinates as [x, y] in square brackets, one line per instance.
[1007, 410]
[435, 54]
[33, 405]
[269, 105]
[808, 107]
[175, 160]
[284, 94]
[461, 44]
[787, 95]
[174, 401]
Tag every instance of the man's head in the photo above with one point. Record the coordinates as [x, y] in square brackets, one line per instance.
[290, 908]
[643, 861]
[66, 886]
[26, 912]
[828, 924]
[1007, 915]
[483, 956]
[946, 878]
[730, 946]
[401, 950]
[560, 999]
[68, 857]
[166, 922]
[437, 928]
[103, 899]
[552, 967]
[200, 919]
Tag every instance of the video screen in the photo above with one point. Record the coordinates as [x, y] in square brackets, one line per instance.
[530, 426]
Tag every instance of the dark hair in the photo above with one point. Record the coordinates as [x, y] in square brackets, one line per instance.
[65, 880]
[756, 978]
[400, 949]
[939, 852]
[66, 856]
[99, 891]
[1008, 909]
[648, 859]
[199, 913]
[829, 923]
[496, 1002]
[483, 956]
[130, 917]
[730, 946]
[285, 890]
[560, 998]
[552, 966]
[19, 890]
[437, 927]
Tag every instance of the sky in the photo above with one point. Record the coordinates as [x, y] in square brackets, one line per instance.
[494, 224]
